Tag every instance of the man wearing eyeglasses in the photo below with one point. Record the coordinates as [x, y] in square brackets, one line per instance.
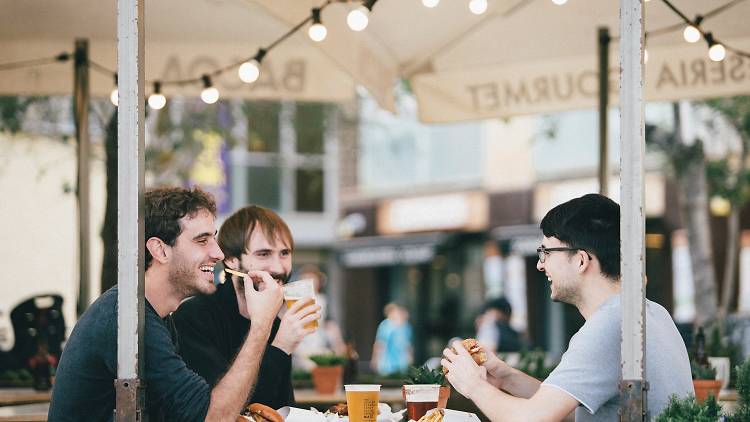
[580, 255]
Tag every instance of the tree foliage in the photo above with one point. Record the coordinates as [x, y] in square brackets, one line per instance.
[12, 111]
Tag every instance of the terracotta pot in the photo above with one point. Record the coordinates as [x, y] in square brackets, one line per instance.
[327, 379]
[704, 388]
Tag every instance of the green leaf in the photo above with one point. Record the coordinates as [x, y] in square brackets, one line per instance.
[328, 360]
[425, 375]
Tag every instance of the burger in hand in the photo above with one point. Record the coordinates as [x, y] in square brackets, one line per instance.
[474, 349]
[257, 412]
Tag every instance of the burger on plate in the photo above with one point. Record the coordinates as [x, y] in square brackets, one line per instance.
[257, 412]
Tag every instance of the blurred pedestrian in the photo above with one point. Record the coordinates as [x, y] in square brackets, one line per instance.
[494, 332]
[392, 351]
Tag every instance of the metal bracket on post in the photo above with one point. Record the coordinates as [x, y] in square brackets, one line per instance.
[131, 393]
[633, 395]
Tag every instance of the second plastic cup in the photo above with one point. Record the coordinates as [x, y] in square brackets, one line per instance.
[297, 290]
[362, 402]
[420, 398]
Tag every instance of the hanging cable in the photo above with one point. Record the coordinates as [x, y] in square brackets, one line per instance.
[62, 57]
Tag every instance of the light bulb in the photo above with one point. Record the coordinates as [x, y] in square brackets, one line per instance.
[645, 55]
[691, 34]
[357, 19]
[210, 95]
[559, 2]
[249, 71]
[114, 96]
[157, 101]
[717, 52]
[478, 7]
[317, 32]
[430, 3]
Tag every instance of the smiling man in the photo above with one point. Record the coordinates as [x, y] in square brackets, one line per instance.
[580, 254]
[210, 329]
[181, 251]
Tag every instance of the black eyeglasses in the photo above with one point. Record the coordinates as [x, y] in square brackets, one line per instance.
[542, 252]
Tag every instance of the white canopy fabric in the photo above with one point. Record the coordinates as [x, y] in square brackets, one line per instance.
[520, 57]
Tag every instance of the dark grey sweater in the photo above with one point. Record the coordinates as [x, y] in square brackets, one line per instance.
[84, 382]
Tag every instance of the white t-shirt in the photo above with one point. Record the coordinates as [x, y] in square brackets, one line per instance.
[590, 369]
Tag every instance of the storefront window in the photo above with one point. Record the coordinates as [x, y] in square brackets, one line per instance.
[283, 163]
[310, 189]
[263, 185]
[262, 126]
[309, 125]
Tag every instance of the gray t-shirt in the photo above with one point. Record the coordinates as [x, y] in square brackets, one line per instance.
[590, 369]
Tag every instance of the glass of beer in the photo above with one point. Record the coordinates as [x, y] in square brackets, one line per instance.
[362, 402]
[297, 290]
[420, 398]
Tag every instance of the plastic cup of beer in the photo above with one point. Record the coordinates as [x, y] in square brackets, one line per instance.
[420, 398]
[298, 290]
[362, 402]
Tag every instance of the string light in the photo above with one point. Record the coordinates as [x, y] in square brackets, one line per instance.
[357, 19]
[157, 101]
[249, 71]
[559, 2]
[478, 7]
[716, 50]
[691, 34]
[317, 31]
[209, 95]
[114, 96]
[430, 3]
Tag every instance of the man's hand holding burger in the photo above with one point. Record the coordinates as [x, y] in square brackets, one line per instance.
[462, 368]
[498, 371]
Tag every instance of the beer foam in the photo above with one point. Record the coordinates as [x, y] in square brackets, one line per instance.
[362, 387]
[422, 393]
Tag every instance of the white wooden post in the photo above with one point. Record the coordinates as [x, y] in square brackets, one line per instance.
[633, 406]
[130, 224]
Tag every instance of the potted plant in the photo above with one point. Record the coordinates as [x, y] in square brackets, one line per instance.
[423, 375]
[689, 409]
[327, 373]
[704, 381]
[742, 375]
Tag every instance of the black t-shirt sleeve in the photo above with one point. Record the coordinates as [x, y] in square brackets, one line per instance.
[274, 386]
[200, 344]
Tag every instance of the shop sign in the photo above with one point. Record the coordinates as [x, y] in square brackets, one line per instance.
[376, 256]
[456, 211]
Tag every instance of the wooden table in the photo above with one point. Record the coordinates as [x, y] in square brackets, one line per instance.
[36, 412]
[16, 396]
[306, 398]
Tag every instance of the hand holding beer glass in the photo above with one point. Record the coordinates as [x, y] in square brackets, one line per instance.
[297, 290]
[362, 402]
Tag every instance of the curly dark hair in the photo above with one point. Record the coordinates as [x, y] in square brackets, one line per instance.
[592, 223]
[165, 206]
